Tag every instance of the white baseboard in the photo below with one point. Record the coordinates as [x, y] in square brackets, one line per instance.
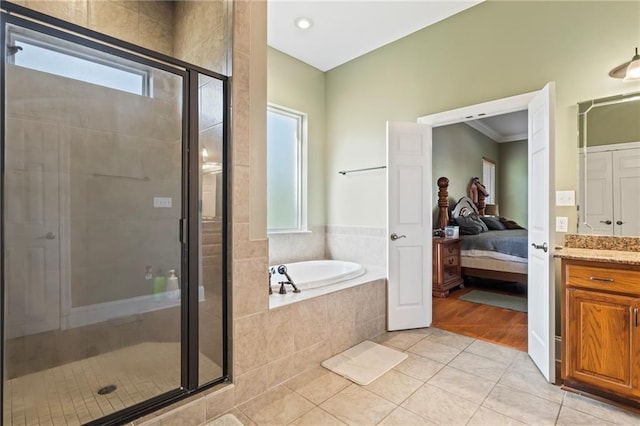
[100, 312]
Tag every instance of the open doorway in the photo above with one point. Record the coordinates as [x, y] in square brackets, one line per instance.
[462, 140]
[491, 306]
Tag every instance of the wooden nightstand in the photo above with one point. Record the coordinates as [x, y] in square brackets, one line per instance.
[446, 266]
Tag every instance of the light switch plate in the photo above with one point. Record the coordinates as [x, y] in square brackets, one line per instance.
[562, 224]
[565, 198]
[162, 202]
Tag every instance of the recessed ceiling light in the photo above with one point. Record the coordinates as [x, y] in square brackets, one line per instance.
[303, 23]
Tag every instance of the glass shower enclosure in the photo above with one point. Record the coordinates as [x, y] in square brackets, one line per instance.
[113, 227]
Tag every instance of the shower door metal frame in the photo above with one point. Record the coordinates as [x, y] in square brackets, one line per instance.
[189, 224]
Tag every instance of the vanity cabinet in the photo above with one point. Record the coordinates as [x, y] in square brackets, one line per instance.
[600, 329]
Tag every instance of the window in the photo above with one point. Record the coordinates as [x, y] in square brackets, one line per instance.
[71, 62]
[286, 170]
[489, 179]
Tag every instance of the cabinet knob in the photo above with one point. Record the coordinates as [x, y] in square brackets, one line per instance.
[606, 222]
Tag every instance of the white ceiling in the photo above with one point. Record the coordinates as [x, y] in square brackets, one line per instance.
[344, 30]
[503, 128]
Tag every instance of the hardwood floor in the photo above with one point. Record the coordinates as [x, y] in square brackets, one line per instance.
[484, 322]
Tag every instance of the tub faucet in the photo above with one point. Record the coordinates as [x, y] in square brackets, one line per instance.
[283, 270]
[271, 272]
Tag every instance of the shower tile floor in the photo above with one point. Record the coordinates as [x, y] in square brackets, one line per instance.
[68, 394]
[448, 379]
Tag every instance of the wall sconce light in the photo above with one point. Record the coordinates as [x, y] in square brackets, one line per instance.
[629, 71]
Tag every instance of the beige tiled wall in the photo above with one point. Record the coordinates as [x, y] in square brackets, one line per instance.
[147, 23]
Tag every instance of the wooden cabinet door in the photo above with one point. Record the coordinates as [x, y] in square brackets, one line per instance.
[601, 334]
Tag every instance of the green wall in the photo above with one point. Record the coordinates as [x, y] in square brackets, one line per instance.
[457, 154]
[490, 51]
[513, 180]
[296, 85]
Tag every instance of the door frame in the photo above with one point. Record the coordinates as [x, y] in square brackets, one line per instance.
[484, 110]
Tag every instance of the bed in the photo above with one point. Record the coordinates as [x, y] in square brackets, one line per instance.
[498, 254]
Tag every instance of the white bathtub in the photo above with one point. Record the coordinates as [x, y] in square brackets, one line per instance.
[316, 278]
[316, 273]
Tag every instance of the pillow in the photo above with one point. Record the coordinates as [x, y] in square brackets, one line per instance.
[470, 225]
[493, 223]
[464, 207]
[510, 224]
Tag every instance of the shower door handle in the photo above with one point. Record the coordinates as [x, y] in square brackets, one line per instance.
[395, 236]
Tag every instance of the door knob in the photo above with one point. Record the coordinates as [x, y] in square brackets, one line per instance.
[544, 247]
[606, 222]
[619, 222]
[395, 236]
[50, 236]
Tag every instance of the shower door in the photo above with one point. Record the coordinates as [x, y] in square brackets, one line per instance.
[102, 276]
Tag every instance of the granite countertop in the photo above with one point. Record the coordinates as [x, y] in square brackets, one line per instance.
[600, 248]
[596, 255]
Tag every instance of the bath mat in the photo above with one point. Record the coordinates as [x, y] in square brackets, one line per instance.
[496, 299]
[365, 362]
[226, 420]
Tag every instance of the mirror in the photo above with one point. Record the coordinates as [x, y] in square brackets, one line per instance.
[609, 166]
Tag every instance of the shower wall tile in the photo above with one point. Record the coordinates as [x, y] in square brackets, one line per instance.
[298, 246]
[219, 401]
[357, 244]
[244, 247]
[250, 287]
[251, 384]
[241, 201]
[114, 19]
[190, 414]
[240, 148]
[74, 11]
[250, 340]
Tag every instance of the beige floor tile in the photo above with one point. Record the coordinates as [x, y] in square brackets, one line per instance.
[434, 350]
[486, 417]
[479, 366]
[601, 410]
[357, 406]
[419, 367]
[246, 421]
[402, 417]
[317, 417]
[524, 375]
[279, 406]
[394, 386]
[401, 339]
[448, 338]
[466, 385]
[317, 384]
[570, 417]
[522, 406]
[493, 351]
[440, 406]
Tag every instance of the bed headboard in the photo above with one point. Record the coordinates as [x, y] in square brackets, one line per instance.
[443, 202]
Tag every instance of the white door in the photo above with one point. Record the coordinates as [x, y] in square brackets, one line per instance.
[541, 286]
[598, 204]
[409, 225]
[626, 190]
[32, 251]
